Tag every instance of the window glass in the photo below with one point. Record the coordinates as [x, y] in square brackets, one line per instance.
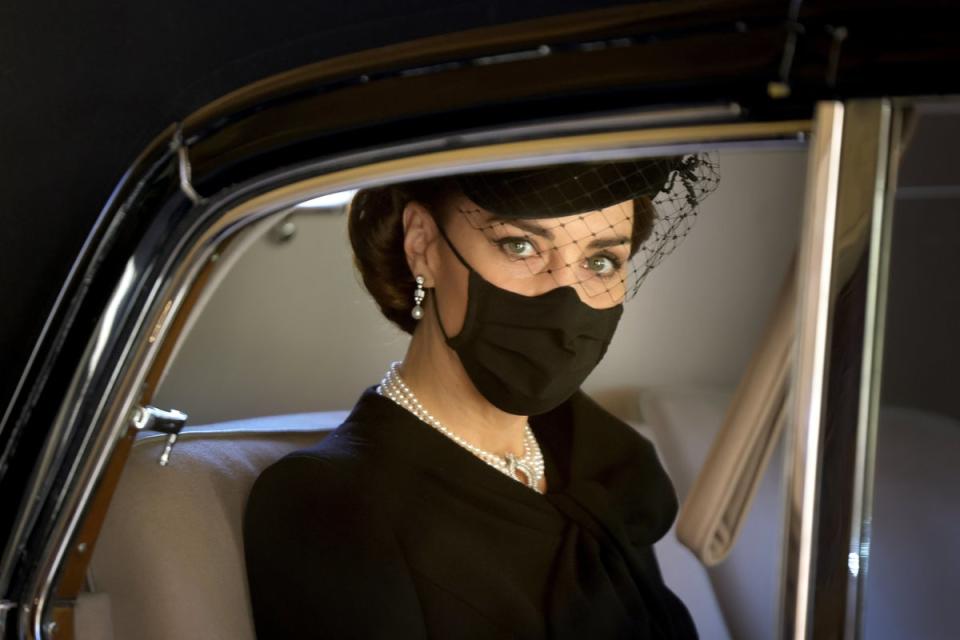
[914, 566]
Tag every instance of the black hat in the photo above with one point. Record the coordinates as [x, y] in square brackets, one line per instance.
[675, 185]
[566, 189]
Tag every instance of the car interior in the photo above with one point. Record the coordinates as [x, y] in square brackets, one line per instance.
[281, 339]
[286, 338]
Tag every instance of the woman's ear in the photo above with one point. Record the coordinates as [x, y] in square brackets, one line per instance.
[419, 241]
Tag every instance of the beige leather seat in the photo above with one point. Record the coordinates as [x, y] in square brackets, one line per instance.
[169, 560]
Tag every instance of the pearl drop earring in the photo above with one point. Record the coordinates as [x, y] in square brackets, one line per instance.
[418, 295]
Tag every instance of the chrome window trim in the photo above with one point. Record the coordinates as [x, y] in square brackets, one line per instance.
[220, 215]
[889, 124]
[316, 422]
[846, 224]
[814, 263]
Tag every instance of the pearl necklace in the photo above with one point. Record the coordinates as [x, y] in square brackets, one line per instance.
[530, 464]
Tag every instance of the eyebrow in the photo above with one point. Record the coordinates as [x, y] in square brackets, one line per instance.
[602, 243]
[526, 225]
[538, 230]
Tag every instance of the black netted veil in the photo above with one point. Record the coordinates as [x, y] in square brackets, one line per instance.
[600, 227]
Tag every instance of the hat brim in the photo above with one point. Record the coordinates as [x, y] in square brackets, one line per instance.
[567, 189]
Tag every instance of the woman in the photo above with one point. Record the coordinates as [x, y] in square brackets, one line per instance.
[476, 492]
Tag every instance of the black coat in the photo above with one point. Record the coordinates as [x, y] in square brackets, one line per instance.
[387, 528]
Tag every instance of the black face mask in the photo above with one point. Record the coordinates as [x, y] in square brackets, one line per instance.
[528, 354]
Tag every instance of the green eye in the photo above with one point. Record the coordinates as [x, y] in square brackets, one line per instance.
[602, 265]
[517, 247]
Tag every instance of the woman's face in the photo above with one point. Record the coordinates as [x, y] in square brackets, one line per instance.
[587, 251]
